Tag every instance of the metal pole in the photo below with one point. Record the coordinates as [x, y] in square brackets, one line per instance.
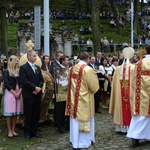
[46, 28]
[132, 31]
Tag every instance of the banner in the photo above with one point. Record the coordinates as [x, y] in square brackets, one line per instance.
[61, 83]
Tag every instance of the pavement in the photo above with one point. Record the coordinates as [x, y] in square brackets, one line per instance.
[105, 136]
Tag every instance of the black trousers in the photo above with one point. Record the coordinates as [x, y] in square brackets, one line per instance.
[62, 121]
[97, 100]
[32, 108]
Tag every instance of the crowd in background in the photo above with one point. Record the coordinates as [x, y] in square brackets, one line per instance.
[139, 40]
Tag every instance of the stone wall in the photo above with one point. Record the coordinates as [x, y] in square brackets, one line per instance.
[64, 43]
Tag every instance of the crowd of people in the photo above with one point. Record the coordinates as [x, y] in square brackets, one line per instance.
[30, 86]
[107, 45]
[24, 81]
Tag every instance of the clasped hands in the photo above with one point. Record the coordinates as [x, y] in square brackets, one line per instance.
[16, 94]
[37, 90]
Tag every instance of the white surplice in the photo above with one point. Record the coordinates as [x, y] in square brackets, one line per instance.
[81, 139]
[139, 128]
[140, 125]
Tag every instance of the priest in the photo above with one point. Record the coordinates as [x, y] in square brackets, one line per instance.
[140, 123]
[83, 83]
[120, 99]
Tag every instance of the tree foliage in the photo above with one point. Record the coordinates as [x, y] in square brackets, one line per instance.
[136, 24]
[26, 5]
[96, 25]
[115, 15]
[4, 4]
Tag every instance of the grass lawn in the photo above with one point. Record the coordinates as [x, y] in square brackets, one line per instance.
[20, 143]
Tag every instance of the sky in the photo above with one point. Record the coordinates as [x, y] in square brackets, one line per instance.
[145, 1]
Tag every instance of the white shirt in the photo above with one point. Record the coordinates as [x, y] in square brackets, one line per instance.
[32, 66]
[89, 43]
[82, 62]
[111, 68]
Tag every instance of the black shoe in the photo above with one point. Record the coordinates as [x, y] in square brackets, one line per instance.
[39, 130]
[76, 148]
[27, 137]
[135, 142]
[98, 111]
[62, 130]
[37, 135]
[67, 128]
[92, 143]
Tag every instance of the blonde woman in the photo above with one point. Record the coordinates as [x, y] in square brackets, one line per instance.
[13, 104]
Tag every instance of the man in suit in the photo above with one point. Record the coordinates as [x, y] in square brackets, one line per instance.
[98, 59]
[91, 62]
[31, 81]
[62, 121]
[56, 63]
[97, 94]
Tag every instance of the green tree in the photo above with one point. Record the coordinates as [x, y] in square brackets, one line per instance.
[3, 27]
[136, 24]
[142, 4]
[4, 7]
[96, 25]
[77, 5]
[87, 5]
[115, 16]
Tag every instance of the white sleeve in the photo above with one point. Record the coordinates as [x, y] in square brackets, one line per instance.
[110, 70]
[101, 68]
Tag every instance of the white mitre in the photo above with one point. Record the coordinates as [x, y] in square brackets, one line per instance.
[128, 53]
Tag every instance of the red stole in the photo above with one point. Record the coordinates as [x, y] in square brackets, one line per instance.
[77, 90]
[125, 97]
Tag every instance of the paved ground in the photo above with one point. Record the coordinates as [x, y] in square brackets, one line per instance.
[105, 135]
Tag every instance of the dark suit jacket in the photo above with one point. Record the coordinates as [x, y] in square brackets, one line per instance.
[122, 59]
[97, 64]
[89, 64]
[10, 81]
[54, 64]
[29, 80]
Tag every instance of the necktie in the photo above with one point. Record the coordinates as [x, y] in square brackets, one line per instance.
[33, 67]
[99, 60]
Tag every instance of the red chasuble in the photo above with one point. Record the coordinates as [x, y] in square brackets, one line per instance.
[125, 96]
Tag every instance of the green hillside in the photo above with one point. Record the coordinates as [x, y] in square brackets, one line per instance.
[69, 5]
[110, 33]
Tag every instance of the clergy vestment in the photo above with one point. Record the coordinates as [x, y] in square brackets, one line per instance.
[140, 122]
[83, 83]
[120, 100]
